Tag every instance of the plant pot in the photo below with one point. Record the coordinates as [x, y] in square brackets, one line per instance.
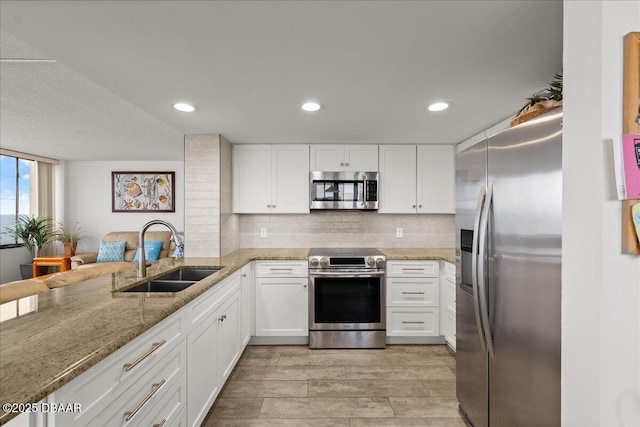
[70, 249]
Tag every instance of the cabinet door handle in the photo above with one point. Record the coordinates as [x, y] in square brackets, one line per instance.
[346, 164]
[224, 316]
[281, 269]
[342, 164]
[412, 269]
[161, 424]
[413, 293]
[412, 321]
[244, 275]
[420, 206]
[304, 286]
[154, 390]
[154, 347]
[414, 206]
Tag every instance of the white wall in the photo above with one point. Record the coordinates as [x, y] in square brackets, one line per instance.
[600, 286]
[89, 199]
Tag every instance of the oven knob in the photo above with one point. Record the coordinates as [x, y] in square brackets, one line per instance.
[314, 262]
[380, 263]
[324, 262]
[370, 261]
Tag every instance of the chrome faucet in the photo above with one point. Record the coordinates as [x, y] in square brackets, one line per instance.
[142, 258]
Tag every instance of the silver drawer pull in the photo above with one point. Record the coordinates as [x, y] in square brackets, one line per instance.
[161, 423]
[154, 347]
[413, 293]
[412, 321]
[281, 269]
[412, 269]
[154, 390]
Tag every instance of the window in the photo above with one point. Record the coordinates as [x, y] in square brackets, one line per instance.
[15, 193]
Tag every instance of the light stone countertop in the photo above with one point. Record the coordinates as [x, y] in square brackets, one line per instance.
[399, 254]
[75, 327]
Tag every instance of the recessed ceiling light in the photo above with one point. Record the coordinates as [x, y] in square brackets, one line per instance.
[310, 106]
[438, 106]
[181, 106]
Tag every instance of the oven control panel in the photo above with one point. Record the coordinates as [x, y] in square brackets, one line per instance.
[373, 262]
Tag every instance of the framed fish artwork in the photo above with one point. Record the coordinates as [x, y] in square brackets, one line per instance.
[143, 191]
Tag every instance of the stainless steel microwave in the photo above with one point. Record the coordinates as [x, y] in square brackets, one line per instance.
[344, 190]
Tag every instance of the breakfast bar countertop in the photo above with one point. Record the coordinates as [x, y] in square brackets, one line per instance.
[67, 330]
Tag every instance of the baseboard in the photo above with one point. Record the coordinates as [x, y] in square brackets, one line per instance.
[279, 340]
[416, 340]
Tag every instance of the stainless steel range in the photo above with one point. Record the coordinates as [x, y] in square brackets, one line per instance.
[347, 298]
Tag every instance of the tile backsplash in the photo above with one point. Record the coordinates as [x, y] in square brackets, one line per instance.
[347, 228]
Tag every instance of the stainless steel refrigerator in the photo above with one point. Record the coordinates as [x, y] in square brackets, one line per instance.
[508, 228]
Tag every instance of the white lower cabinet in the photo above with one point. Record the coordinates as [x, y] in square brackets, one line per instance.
[248, 303]
[413, 299]
[136, 403]
[448, 315]
[168, 376]
[282, 306]
[282, 300]
[214, 347]
[133, 366]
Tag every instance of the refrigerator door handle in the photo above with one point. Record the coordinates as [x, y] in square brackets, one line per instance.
[484, 306]
[474, 266]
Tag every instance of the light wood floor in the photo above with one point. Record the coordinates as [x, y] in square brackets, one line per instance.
[296, 386]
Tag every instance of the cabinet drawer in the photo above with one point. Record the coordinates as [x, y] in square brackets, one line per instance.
[102, 383]
[413, 269]
[168, 409]
[413, 321]
[281, 269]
[450, 296]
[412, 291]
[135, 403]
[181, 419]
[210, 300]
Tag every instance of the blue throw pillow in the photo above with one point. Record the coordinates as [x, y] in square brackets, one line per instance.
[111, 251]
[151, 250]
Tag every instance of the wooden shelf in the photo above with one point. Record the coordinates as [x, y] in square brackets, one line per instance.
[630, 119]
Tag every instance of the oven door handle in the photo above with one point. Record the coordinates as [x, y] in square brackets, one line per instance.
[349, 274]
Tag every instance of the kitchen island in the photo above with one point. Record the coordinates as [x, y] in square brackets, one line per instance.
[68, 330]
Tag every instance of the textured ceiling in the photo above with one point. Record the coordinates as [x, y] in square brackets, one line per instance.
[247, 66]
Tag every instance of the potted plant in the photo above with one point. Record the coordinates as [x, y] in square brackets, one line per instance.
[541, 102]
[69, 236]
[33, 232]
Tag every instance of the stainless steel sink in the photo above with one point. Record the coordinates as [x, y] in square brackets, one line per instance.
[175, 281]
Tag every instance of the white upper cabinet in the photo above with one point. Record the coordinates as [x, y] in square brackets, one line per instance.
[436, 179]
[271, 178]
[344, 158]
[397, 184]
[251, 178]
[416, 179]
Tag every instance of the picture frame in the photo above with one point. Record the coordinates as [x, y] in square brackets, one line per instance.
[143, 191]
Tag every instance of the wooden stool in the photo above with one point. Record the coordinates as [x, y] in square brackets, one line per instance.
[61, 261]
